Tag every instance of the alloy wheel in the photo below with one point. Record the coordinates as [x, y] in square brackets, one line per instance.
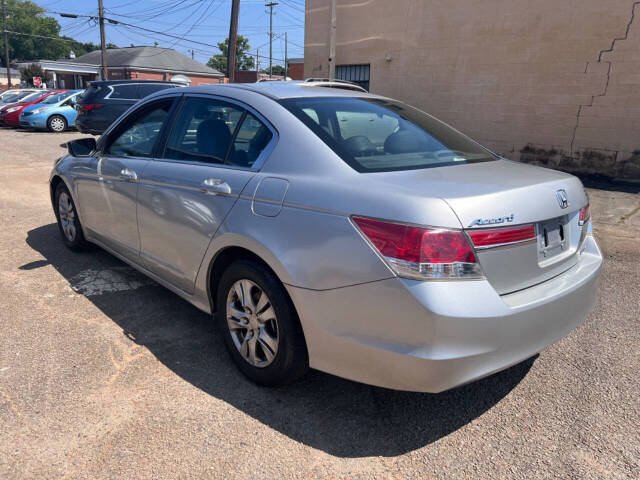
[252, 323]
[57, 124]
[67, 216]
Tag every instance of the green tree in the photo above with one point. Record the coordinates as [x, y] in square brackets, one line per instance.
[27, 73]
[244, 61]
[26, 17]
[277, 70]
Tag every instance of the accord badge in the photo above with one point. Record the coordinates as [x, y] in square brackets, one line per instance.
[491, 221]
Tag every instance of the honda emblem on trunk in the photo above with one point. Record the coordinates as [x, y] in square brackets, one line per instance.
[563, 199]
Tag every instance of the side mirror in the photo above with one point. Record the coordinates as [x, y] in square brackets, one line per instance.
[83, 147]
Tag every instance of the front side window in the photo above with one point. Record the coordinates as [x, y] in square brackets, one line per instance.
[374, 135]
[139, 137]
[30, 97]
[213, 131]
[10, 98]
[55, 98]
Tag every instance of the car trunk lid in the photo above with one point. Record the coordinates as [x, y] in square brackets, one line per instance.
[502, 194]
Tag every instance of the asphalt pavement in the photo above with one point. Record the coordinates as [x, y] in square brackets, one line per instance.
[105, 374]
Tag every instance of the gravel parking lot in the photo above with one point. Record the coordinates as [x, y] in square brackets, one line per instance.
[104, 374]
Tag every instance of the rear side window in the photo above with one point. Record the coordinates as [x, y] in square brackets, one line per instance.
[251, 139]
[124, 92]
[213, 131]
[377, 135]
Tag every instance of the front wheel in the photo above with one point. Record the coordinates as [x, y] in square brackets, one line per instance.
[68, 221]
[57, 124]
[260, 326]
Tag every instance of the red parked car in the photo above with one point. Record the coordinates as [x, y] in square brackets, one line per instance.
[10, 114]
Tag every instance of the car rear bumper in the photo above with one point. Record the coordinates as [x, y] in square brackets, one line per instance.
[84, 125]
[433, 336]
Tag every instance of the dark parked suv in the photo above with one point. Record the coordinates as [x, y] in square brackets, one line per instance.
[104, 101]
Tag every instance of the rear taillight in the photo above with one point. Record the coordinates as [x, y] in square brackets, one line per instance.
[585, 215]
[494, 237]
[87, 107]
[421, 253]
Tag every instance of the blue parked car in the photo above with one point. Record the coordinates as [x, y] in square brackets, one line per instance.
[56, 113]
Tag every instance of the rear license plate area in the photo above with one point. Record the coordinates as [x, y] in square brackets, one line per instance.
[552, 238]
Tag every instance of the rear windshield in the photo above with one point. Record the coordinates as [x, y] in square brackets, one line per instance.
[91, 91]
[377, 135]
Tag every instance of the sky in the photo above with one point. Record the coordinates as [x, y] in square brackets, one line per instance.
[205, 21]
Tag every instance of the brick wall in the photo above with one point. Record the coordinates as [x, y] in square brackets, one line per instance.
[246, 76]
[145, 75]
[553, 83]
[195, 79]
[296, 71]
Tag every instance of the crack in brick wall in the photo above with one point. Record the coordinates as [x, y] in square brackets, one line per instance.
[608, 77]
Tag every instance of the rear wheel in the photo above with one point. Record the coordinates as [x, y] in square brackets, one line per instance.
[68, 221]
[260, 326]
[57, 124]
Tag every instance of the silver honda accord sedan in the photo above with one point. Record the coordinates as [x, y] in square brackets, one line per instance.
[336, 230]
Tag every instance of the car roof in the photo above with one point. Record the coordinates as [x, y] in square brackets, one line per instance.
[278, 90]
[134, 82]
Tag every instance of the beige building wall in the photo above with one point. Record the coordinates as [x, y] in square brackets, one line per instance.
[553, 82]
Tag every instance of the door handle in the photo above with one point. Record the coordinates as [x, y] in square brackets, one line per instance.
[128, 175]
[215, 186]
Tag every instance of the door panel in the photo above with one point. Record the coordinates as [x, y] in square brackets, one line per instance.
[109, 188]
[212, 151]
[107, 200]
[117, 196]
[178, 215]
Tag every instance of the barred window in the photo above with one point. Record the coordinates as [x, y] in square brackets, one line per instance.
[354, 73]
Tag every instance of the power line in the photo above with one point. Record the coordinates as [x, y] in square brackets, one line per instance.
[162, 8]
[39, 36]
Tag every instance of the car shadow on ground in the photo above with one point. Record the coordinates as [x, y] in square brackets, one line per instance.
[340, 417]
[602, 182]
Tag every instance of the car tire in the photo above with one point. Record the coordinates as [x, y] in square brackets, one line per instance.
[263, 334]
[68, 221]
[57, 124]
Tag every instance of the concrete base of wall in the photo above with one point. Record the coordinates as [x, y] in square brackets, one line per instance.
[615, 165]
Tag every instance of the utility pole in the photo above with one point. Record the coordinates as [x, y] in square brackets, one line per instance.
[286, 60]
[103, 46]
[192, 54]
[257, 64]
[271, 5]
[332, 42]
[233, 40]
[6, 43]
